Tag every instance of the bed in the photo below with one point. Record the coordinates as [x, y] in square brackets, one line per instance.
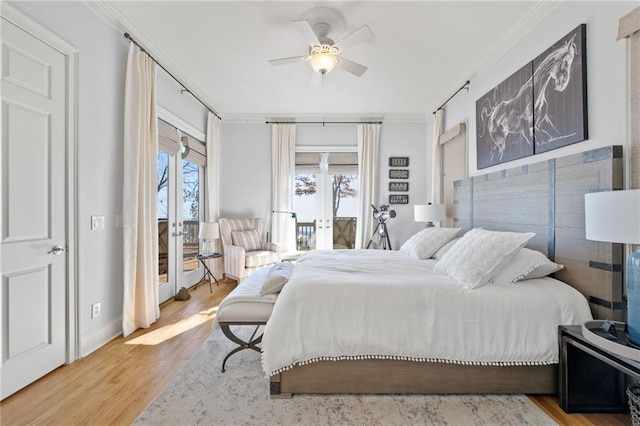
[455, 354]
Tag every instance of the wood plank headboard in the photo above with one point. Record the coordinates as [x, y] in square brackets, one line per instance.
[548, 198]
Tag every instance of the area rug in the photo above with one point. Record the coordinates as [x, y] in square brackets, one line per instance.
[201, 394]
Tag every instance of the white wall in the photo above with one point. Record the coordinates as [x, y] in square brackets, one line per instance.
[246, 167]
[606, 77]
[245, 170]
[102, 64]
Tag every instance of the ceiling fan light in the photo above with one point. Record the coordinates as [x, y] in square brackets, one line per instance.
[323, 62]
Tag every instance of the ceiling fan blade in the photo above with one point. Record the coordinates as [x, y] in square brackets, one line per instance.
[360, 35]
[352, 67]
[305, 29]
[315, 79]
[291, 60]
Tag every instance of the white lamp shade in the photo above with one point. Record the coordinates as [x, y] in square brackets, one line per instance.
[429, 213]
[613, 216]
[209, 231]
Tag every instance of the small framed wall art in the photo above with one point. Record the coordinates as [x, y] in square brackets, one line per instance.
[398, 173]
[398, 186]
[399, 199]
[398, 161]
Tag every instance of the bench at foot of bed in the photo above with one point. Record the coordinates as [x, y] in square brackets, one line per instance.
[245, 307]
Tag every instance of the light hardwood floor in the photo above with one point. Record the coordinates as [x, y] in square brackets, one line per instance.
[115, 383]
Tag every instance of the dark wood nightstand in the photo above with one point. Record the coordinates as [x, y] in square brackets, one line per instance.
[592, 379]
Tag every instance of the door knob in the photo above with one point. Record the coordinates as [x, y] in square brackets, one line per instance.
[57, 250]
[179, 234]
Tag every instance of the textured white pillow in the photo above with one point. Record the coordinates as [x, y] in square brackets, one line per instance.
[423, 244]
[276, 278]
[445, 248]
[473, 259]
[249, 239]
[525, 265]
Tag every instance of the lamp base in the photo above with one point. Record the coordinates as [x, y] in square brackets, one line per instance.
[633, 297]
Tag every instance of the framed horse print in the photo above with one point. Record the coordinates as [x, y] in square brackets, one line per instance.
[503, 120]
[560, 93]
[543, 106]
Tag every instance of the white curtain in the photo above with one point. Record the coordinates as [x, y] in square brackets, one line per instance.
[140, 225]
[283, 154]
[436, 159]
[212, 185]
[368, 142]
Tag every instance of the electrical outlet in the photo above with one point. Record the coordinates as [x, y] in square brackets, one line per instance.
[95, 310]
[97, 223]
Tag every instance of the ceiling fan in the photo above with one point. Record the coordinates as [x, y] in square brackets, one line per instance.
[317, 26]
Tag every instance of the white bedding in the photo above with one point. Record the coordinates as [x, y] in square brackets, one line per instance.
[355, 304]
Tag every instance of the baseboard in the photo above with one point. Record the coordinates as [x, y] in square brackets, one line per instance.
[100, 337]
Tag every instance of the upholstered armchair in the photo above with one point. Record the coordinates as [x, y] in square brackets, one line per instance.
[244, 250]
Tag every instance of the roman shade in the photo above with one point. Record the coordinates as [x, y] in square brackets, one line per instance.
[345, 163]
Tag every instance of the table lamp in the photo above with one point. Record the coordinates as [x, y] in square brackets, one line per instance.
[429, 213]
[614, 216]
[209, 231]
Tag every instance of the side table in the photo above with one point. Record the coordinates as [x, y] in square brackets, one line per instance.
[592, 379]
[202, 257]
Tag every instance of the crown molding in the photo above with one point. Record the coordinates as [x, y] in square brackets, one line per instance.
[116, 20]
[13, 15]
[521, 28]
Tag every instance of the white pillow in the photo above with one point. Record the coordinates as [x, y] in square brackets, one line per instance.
[425, 243]
[525, 265]
[445, 248]
[276, 278]
[473, 259]
[249, 239]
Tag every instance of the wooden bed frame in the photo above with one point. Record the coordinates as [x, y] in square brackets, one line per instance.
[546, 198]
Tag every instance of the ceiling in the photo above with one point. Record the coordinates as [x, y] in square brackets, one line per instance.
[423, 51]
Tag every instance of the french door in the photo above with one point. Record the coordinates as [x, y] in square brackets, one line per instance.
[326, 203]
[179, 214]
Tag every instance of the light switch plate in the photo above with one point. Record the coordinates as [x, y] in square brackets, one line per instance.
[97, 223]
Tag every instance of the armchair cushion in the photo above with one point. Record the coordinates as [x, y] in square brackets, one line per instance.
[261, 258]
[269, 246]
[249, 239]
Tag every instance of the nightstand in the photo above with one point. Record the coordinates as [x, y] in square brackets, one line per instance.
[592, 379]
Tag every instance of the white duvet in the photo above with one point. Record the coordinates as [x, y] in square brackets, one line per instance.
[356, 304]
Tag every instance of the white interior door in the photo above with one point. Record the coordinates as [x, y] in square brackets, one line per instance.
[34, 234]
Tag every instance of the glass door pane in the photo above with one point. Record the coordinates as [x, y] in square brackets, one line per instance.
[190, 215]
[304, 204]
[345, 210]
[163, 217]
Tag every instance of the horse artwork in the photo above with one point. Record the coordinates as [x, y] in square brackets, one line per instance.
[504, 120]
[560, 93]
[540, 107]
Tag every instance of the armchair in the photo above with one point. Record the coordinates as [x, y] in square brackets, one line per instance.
[244, 250]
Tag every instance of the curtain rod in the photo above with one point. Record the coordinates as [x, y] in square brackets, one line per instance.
[128, 37]
[464, 86]
[323, 122]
